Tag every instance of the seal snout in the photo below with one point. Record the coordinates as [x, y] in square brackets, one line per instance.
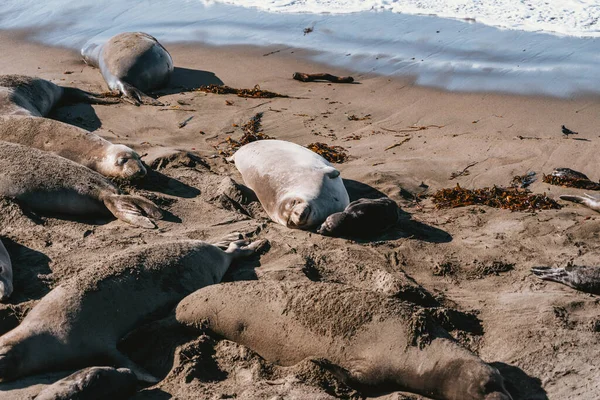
[299, 215]
[6, 289]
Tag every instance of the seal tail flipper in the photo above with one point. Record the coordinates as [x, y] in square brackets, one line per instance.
[135, 210]
[227, 240]
[243, 248]
[141, 374]
[136, 96]
[586, 200]
[560, 275]
[75, 95]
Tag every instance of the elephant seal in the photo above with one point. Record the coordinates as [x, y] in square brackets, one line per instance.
[26, 95]
[92, 383]
[579, 277]
[6, 273]
[297, 187]
[80, 322]
[363, 217]
[586, 200]
[50, 183]
[131, 63]
[68, 141]
[379, 343]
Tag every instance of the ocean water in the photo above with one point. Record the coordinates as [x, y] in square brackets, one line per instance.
[549, 47]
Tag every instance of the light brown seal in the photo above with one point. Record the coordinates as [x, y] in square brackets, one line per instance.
[132, 63]
[68, 141]
[80, 322]
[297, 187]
[50, 183]
[377, 343]
[26, 95]
[94, 383]
[6, 273]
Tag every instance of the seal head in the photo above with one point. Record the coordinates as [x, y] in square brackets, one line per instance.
[121, 161]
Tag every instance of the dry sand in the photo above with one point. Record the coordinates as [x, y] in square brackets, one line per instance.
[543, 337]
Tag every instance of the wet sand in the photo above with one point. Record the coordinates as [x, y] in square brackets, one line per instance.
[543, 337]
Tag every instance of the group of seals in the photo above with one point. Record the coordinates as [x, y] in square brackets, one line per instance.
[131, 63]
[50, 183]
[68, 141]
[370, 338]
[80, 321]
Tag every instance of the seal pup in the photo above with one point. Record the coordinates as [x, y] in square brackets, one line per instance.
[50, 183]
[68, 141]
[131, 63]
[363, 217]
[297, 187]
[579, 277]
[26, 95]
[92, 383]
[377, 343]
[6, 273]
[586, 200]
[80, 322]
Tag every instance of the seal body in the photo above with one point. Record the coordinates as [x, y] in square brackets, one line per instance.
[587, 200]
[6, 273]
[363, 217]
[79, 322]
[26, 95]
[579, 277]
[68, 141]
[297, 187]
[131, 63]
[379, 343]
[92, 383]
[50, 183]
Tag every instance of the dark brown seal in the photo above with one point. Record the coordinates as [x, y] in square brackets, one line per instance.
[379, 343]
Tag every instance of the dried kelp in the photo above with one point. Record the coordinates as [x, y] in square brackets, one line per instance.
[513, 199]
[256, 92]
[570, 178]
[336, 154]
[355, 118]
[252, 133]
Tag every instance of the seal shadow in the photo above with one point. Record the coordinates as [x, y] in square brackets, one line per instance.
[28, 265]
[81, 115]
[406, 226]
[158, 182]
[185, 79]
[520, 385]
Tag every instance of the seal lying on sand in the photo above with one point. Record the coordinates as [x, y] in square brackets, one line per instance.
[586, 200]
[6, 274]
[131, 63]
[363, 217]
[26, 95]
[297, 187]
[379, 343]
[80, 321]
[92, 383]
[584, 278]
[76, 144]
[49, 183]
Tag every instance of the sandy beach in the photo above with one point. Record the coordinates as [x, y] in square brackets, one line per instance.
[404, 141]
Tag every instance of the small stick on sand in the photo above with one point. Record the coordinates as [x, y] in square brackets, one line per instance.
[184, 123]
[398, 144]
[301, 76]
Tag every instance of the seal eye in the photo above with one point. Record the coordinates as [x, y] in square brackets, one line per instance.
[122, 161]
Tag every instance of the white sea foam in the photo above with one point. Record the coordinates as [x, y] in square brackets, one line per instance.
[448, 53]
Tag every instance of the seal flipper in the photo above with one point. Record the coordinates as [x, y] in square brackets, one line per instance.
[75, 95]
[586, 200]
[133, 209]
[136, 96]
[140, 373]
[331, 172]
[584, 278]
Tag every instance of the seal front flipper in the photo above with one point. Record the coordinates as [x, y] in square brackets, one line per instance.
[331, 172]
[579, 277]
[586, 200]
[140, 373]
[135, 210]
[136, 96]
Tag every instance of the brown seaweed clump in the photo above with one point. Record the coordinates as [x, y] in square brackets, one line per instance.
[514, 199]
[335, 154]
[256, 92]
[252, 133]
[569, 178]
